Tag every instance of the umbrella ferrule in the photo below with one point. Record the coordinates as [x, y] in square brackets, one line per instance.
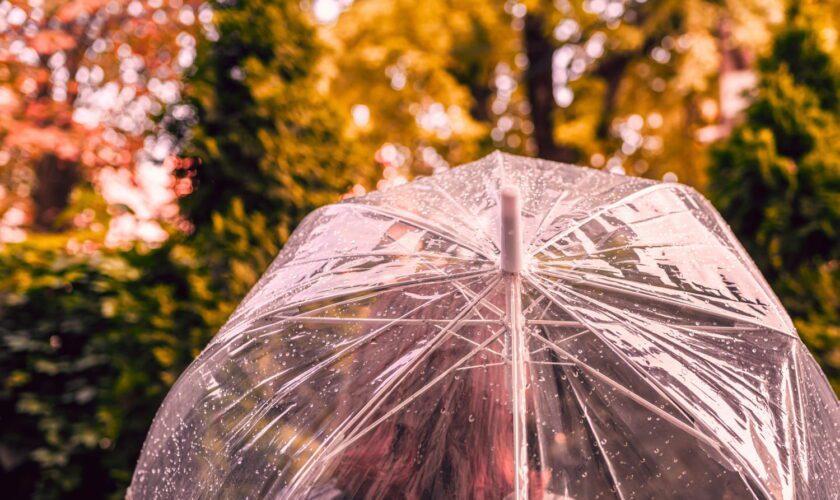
[511, 229]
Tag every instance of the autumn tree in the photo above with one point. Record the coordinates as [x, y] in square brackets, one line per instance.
[264, 146]
[415, 79]
[80, 84]
[633, 83]
[625, 85]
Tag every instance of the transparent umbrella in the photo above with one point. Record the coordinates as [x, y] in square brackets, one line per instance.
[513, 328]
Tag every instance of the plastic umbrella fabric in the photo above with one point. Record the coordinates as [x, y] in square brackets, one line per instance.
[597, 336]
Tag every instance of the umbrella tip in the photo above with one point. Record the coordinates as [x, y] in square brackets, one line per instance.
[510, 204]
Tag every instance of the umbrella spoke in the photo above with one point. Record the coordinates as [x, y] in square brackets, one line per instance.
[389, 321]
[487, 365]
[617, 352]
[469, 295]
[473, 342]
[734, 459]
[351, 439]
[277, 320]
[612, 474]
[659, 412]
[332, 358]
[611, 423]
[549, 363]
[409, 218]
[266, 405]
[407, 253]
[564, 339]
[599, 212]
[380, 396]
[601, 282]
[377, 290]
[465, 291]
[473, 216]
[548, 217]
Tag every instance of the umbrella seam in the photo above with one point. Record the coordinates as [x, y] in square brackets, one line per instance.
[578, 223]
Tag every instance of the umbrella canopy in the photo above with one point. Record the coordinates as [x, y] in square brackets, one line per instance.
[512, 328]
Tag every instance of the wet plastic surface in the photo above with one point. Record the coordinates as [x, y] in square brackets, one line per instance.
[639, 354]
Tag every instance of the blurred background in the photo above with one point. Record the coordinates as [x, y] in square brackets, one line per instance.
[156, 154]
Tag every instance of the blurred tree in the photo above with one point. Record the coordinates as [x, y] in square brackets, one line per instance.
[628, 85]
[79, 83]
[265, 145]
[415, 78]
[90, 345]
[777, 180]
[263, 132]
[93, 337]
[635, 82]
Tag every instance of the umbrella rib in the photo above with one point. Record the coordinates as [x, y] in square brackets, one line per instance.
[466, 293]
[671, 302]
[305, 284]
[445, 333]
[550, 322]
[396, 321]
[564, 339]
[569, 257]
[559, 272]
[321, 364]
[304, 316]
[378, 398]
[473, 342]
[471, 214]
[577, 224]
[405, 217]
[370, 295]
[610, 346]
[461, 288]
[407, 253]
[658, 245]
[550, 212]
[651, 383]
[265, 429]
[583, 408]
[630, 394]
[469, 295]
[551, 363]
[703, 328]
[330, 359]
[457, 365]
[736, 462]
[379, 289]
[487, 365]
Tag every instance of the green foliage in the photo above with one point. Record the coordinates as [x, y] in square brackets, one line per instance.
[88, 348]
[777, 181]
[264, 134]
[812, 297]
[90, 344]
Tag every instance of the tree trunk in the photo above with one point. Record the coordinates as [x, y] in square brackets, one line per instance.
[55, 181]
[540, 89]
[611, 70]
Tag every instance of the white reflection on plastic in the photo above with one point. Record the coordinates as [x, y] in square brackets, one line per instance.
[639, 354]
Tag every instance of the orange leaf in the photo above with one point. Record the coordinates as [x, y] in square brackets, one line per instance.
[50, 41]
